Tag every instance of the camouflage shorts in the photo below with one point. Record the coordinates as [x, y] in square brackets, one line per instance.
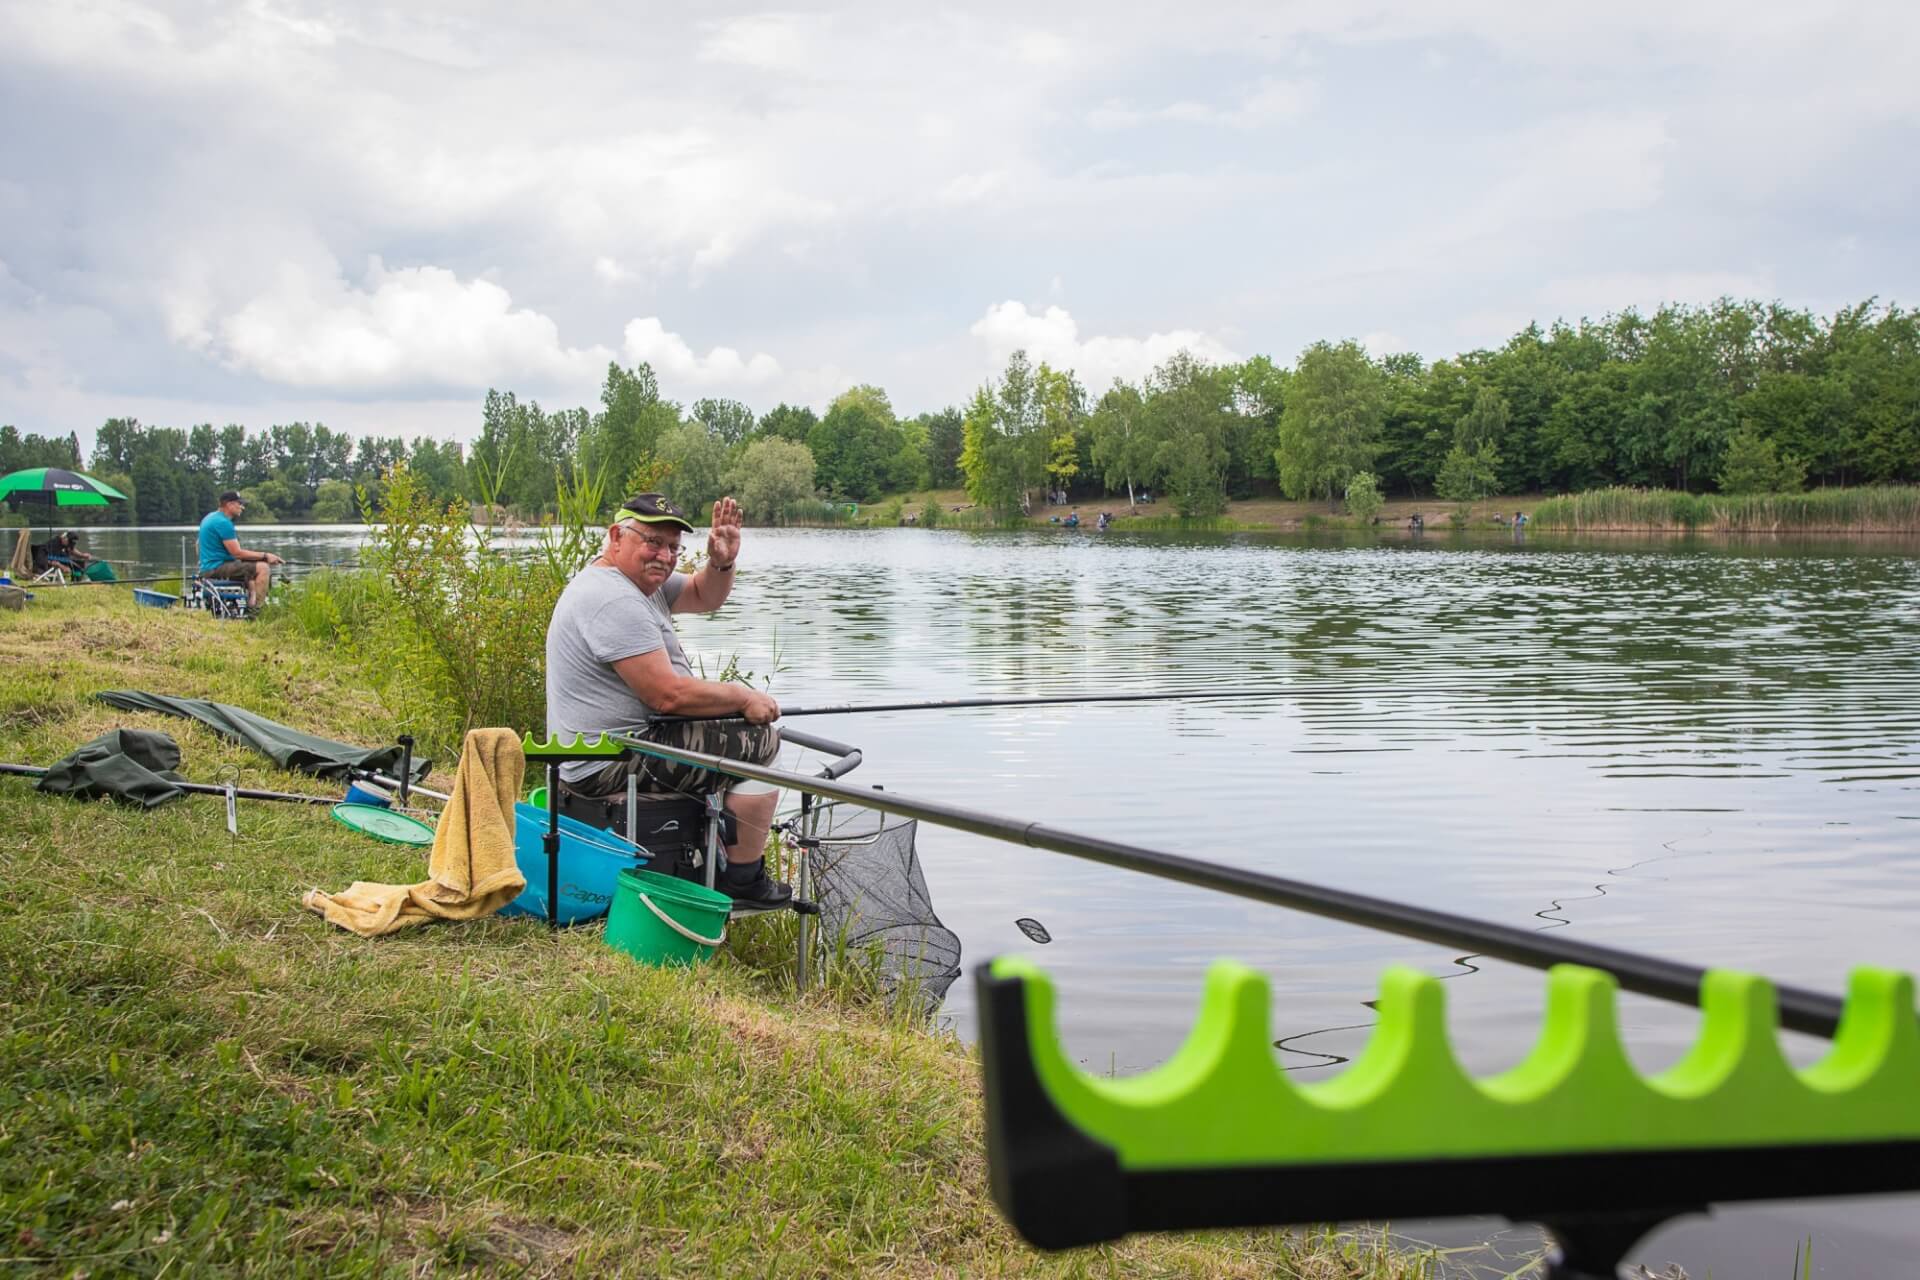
[735, 739]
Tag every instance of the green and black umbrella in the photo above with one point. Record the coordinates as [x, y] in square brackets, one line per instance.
[57, 487]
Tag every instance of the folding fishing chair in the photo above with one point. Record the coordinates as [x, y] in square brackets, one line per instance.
[50, 568]
[220, 597]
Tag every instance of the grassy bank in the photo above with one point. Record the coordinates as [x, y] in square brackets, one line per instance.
[197, 1076]
[1888, 509]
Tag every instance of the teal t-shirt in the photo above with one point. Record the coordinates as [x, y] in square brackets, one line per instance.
[214, 532]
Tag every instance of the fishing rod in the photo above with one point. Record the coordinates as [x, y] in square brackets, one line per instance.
[209, 789]
[1299, 692]
[952, 704]
[109, 582]
[1813, 1012]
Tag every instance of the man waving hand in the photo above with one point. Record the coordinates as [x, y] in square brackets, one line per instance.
[613, 661]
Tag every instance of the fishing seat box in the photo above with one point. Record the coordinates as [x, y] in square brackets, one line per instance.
[671, 828]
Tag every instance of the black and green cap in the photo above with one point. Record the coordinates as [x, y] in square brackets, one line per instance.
[652, 508]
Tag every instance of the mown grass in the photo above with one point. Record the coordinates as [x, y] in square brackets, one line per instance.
[1884, 509]
[199, 1077]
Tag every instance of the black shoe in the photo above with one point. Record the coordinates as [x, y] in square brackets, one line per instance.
[762, 892]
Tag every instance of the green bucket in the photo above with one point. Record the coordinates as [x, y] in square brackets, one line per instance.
[538, 798]
[664, 920]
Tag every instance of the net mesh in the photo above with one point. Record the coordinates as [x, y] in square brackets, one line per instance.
[874, 903]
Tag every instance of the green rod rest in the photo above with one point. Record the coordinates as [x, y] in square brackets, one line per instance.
[580, 748]
[1220, 1136]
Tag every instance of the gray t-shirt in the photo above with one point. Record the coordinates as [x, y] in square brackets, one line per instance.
[601, 618]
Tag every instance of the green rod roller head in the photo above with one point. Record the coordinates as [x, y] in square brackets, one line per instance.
[580, 747]
[1222, 1099]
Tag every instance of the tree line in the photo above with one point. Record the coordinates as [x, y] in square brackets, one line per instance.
[1735, 396]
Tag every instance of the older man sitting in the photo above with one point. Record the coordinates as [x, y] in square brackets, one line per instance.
[614, 662]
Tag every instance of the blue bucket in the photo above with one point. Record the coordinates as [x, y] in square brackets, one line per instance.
[364, 792]
[155, 599]
[591, 861]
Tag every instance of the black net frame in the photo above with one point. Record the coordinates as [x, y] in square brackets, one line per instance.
[864, 873]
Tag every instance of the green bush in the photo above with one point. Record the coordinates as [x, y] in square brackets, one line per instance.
[1363, 496]
[449, 626]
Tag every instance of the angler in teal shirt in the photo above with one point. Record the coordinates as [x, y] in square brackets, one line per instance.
[222, 556]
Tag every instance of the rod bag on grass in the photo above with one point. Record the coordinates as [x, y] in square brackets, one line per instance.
[289, 748]
[133, 765]
[1218, 1136]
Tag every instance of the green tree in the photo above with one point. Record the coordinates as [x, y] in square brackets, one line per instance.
[1123, 447]
[631, 420]
[1003, 452]
[1190, 420]
[1754, 466]
[727, 421]
[438, 468]
[1336, 404]
[1485, 423]
[335, 503]
[698, 466]
[1061, 403]
[1363, 496]
[945, 437]
[772, 477]
[856, 446]
[789, 422]
[1469, 475]
[1259, 396]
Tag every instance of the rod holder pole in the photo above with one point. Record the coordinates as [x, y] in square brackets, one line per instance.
[406, 765]
[552, 842]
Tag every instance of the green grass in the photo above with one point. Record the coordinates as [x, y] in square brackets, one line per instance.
[199, 1077]
[1884, 509]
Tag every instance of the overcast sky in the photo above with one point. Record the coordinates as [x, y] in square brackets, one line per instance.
[368, 214]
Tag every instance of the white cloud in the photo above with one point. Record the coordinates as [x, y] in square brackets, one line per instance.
[610, 270]
[649, 340]
[1269, 102]
[1384, 344]
[764, 41]
[406, 328]
[975, 188]
[1054, 337]
[858, 179]
[1042, 48]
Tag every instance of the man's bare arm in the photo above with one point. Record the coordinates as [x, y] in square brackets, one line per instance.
[655, 682]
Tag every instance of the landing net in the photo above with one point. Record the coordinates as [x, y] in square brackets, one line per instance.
[874, 905]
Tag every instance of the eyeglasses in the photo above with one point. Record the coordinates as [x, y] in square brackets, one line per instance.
[654, 545]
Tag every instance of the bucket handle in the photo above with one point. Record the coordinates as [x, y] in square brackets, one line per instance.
[681, 929]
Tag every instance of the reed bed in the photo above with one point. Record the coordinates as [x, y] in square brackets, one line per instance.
[1878, 509]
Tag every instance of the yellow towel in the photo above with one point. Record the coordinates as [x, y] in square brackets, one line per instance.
[473, 870]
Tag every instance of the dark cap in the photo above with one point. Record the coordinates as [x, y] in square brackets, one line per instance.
[232, 495]
[652, 508]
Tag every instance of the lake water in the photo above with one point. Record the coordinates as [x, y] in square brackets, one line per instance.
[1702, 749]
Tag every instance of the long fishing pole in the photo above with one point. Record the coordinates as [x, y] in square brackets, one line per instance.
[1813, 1012]
[951, 704]
[207, 789]
[1298, 692]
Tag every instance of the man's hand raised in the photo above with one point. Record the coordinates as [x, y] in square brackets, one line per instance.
[723, 539]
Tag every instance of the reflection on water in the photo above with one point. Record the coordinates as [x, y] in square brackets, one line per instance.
[1705, 750]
